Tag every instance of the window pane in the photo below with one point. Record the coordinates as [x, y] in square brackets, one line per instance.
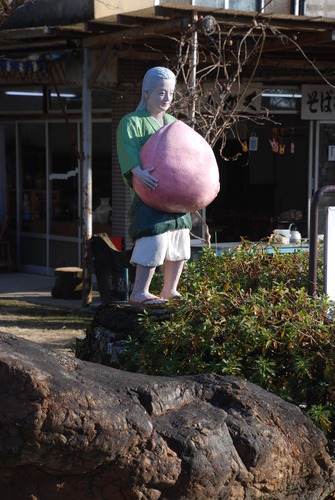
[249, 5]
[8, 174]
[21, 99]
[70, 99]
[63, 180]
[102, 176]
[33, 176]
[278, 7]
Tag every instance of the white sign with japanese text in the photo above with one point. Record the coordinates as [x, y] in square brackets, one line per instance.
[245, 99]
[317, 102]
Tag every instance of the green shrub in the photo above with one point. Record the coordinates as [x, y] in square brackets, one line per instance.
[247, 313]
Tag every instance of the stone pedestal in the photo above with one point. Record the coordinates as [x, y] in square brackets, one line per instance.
[108, 334]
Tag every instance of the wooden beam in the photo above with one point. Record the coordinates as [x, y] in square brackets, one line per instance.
[98, 67]
[302, 40]
[138, 33]
[141, 56]
[280, 21]
[295, 63]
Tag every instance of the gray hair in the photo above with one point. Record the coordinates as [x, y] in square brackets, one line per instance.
[150, 81]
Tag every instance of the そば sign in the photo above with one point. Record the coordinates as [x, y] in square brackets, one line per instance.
[317, 102]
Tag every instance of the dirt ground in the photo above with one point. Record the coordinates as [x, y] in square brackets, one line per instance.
[54, 328]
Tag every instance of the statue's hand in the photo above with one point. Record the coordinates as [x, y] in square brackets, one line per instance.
[145, 177]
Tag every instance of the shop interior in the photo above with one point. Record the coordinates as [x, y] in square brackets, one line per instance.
[264, 181]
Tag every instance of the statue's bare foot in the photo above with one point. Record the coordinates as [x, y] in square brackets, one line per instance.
[143, 299]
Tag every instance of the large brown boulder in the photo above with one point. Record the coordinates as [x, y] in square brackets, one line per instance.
[73, 429]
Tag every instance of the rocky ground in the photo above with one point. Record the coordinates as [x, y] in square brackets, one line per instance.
[51, 327]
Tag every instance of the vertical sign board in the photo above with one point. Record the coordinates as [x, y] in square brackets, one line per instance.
[330, 253]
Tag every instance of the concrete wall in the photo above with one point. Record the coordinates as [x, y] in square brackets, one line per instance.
[115, 7]
[325, 8]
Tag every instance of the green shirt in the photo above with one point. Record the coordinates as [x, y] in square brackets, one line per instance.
[133, 131]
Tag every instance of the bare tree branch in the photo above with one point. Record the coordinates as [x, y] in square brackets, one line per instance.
[8, 7]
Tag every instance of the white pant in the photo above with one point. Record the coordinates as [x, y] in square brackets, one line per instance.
[152, 251]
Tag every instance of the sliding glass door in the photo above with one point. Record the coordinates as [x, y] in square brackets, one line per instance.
[324, 173]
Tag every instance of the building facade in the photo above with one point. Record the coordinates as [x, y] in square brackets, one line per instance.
[52, 135]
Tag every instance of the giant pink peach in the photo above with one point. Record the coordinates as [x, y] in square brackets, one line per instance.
[186, 169]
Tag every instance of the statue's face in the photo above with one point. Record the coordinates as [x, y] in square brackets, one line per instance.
[159, 100]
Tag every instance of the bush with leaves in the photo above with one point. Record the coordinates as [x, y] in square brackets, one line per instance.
[247, 313]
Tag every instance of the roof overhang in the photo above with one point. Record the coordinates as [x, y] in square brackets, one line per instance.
[133, 27]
